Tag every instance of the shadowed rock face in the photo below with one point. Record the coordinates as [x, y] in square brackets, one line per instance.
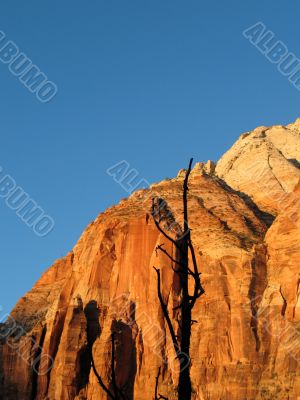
[244, 345]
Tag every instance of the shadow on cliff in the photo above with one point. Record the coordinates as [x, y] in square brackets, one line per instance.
[91, 312]
[125, 351]
[266, 217]
[125, 358]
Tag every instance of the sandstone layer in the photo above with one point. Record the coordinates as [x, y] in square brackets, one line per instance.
[245, 343]
[264, 164]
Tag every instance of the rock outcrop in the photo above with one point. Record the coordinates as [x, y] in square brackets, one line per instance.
[245, 345]
[264, 164]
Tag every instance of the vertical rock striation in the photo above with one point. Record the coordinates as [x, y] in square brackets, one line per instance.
[244, 344]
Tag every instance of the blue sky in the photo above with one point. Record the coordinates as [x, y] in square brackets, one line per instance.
[151, 82]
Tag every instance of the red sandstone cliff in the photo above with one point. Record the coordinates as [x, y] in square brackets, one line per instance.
[245, 344]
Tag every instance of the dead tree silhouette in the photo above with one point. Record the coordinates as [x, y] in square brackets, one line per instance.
[180, 264]
[113, 391]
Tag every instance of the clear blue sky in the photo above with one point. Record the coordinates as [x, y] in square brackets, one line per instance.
[151, 82]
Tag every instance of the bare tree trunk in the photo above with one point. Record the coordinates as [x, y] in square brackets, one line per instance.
[184, 247]
[185, 386]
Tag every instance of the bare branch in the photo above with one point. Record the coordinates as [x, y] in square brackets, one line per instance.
[113, 372]
[198, 289]
[158, 396]
[157, 224]
[160, 247]
[166, 313]
[156, 385]
[101, 383]
[118, 393]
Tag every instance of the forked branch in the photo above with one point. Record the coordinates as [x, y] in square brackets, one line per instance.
[158, 396]
[117, 393]
[166, 313]
[198, 288]
[157, 224]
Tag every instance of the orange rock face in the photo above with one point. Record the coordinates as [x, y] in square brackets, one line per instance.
[245, 342]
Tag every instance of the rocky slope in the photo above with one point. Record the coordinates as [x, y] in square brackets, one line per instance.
[245, 344]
